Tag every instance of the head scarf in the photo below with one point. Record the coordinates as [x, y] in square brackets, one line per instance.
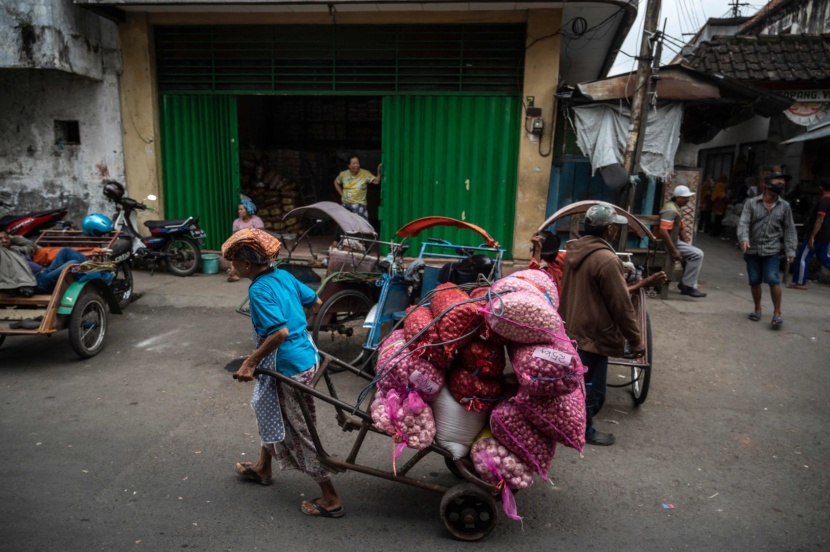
[249, 205]
[258, 241]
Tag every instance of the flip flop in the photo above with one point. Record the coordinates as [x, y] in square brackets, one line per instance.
[777, 322]
[247, 472]
[755, 316]
[796, 286]
[322, 512]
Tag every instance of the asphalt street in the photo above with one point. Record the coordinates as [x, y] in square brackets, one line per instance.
[134, 449]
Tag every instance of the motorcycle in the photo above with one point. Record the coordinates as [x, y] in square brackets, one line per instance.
[30, 224]
[176, 242]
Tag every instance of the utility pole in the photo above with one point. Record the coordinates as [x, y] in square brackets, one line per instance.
[641, 89]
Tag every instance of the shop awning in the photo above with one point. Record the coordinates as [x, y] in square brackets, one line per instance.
[819, 130]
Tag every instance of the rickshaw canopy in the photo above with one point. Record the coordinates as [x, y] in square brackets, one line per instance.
[419, 225]
[580, 207]
[349, 222]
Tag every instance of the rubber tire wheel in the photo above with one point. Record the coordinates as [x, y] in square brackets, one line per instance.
[350, 352]
[468, 512]
[641, 377]
[171, 249]
[90, 308]
[122, 287]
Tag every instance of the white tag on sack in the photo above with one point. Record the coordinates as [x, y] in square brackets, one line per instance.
[553, 355]
[423, 383]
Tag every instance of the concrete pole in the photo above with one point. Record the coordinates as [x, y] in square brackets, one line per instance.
[641, 88]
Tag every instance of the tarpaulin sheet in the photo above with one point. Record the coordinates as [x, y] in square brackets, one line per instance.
[602, 132]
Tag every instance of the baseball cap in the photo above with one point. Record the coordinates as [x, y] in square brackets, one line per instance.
[774, 175]
[603, 215]
[682, 191]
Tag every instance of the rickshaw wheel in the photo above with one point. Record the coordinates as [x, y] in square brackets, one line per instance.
[468, 513]
[88, 325]
[641, 376]
[338, 327]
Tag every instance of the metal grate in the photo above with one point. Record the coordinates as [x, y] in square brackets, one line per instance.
[342, 58]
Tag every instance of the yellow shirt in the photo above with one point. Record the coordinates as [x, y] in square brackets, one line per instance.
[354, 186]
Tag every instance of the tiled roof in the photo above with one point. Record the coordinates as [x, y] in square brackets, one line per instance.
[782, 58]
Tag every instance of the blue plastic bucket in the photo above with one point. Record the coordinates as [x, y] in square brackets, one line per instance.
[210, 263]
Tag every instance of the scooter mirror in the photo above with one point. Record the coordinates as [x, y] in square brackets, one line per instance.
[151, 197]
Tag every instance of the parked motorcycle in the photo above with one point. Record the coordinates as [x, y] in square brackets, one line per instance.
[176, 242]
[30, 224]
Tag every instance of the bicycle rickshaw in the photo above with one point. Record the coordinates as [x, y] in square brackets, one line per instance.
[641, 366]
[80, 303]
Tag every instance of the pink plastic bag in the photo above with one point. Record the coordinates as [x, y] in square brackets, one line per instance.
[514, 431]
[407, 418]
[506, 471]
[560, 418]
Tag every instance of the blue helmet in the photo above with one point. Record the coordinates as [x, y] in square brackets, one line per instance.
[96, 225]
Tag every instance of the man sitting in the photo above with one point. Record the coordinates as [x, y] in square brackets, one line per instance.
[683, 250]
[18, 272]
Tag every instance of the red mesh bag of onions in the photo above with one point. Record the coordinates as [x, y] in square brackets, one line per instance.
[522, 316]
[473, 392]
[514, 431]
[560, 418]
[484, 359]
[460, 320]
[548, 369]
[418, 318]
[398, 368]
[485, 332]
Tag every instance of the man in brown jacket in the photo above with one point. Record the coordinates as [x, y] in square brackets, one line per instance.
[596, 307]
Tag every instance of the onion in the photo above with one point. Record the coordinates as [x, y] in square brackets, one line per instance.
[398, 368]
[516, 433]
[560, 418]
[494, 463]
[522, 316]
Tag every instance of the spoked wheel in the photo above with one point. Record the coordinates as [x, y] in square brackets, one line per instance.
[468, 513]
[182, 256]
[122, 284]
[338, 327]
[641, 376]
[88, 325]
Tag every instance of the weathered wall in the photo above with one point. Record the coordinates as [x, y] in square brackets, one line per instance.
[35, 171]
[811, 17]
[52, 34]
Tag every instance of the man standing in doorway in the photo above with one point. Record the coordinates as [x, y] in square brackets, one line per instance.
[597, 308]
[683, 250]
[816, 240]
[352, 184]
[765, 220]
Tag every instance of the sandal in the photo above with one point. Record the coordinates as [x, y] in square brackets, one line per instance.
[246, 471]
[755, 316]
[777, 322]
[319, 511]
[796, 286]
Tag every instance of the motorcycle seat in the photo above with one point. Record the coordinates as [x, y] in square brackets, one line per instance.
[8, 219]
[166, 223]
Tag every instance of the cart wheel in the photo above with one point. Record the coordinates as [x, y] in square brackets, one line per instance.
[122, 284]
[88, 325]
[182, 256]
[641, 377]
[468, 513]
[338, 327]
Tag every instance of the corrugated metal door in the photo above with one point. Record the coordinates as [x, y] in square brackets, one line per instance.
[200, 160]
[452, 156]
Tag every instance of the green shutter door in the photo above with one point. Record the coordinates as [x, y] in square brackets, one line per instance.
[453, 156]
[200, 162]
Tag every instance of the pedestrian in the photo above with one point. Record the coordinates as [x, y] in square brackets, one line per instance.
[247, 219]
[279, 307]
[597, 309]
[352, 185]
[705, 220]
[682, 250]
[720, 201]
[765, 220]
[816, 240]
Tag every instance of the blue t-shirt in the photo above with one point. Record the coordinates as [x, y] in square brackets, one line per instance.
[277, 299]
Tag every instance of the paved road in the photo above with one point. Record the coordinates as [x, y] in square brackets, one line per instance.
[133, 449]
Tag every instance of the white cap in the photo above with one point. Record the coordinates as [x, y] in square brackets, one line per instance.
[682, 191]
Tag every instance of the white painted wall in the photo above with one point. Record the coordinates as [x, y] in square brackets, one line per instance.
[35, 172]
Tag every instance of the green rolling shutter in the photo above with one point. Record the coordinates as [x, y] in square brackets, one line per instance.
[200, 160]
[452, 156]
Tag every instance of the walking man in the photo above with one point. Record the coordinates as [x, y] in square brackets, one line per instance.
[765, 220]
[816, 240]
[683, 250]
[597, 308]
